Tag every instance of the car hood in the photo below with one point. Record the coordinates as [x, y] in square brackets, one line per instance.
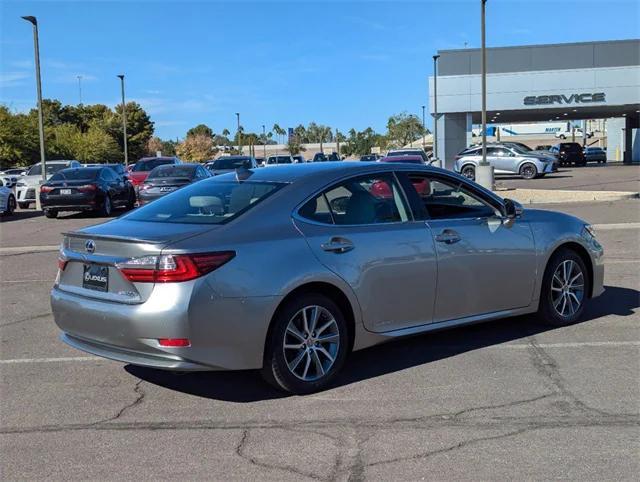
[217, 172]
[541, 156]
[32, 181]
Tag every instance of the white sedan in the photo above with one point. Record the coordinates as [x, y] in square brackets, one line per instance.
[7, 199]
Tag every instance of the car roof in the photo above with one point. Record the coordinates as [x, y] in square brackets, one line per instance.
[164, 167]
[168, 158]
[295, 172]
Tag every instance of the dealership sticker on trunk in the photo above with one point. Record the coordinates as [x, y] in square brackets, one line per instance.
[96, 277]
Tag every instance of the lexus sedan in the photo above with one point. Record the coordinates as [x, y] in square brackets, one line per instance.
[288, 270]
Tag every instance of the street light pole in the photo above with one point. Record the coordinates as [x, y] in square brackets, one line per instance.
[124, 121]
[264, 143]
[80, 88]
[435, 110]
[423, 128]
[36, 47]
[239, 135]
[484, 172]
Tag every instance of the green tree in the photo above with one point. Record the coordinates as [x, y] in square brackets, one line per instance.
[294, 146]
[19, 142]
[279, 131]
[200, 129]
[196, 148]
[139, 129]
[403, 129]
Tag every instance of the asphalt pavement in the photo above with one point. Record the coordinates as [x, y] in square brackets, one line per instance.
[510, 399]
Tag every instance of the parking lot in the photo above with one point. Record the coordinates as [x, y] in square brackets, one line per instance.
[507, 399]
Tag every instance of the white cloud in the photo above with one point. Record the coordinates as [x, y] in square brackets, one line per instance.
[11, 79]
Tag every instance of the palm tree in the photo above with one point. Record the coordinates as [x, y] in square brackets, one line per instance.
[279, 130]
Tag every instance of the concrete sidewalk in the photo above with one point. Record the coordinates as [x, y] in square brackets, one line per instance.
[547, 196]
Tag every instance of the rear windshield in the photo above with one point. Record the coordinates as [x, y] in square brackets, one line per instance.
[173, 171]
[88, 174]
[51, 168]
[149, 164]
[206, 202]
[280, 160]
[231, 162]
[571, 146]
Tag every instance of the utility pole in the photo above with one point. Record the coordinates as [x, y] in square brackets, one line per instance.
[484, 172]
[423, 128]
[124, 122]
[36, 47]
[80, 88]
[239, 134]
[435, 111]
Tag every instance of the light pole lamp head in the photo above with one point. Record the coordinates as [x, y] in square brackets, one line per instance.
[436, 57]
[120, 76]
[31, 19]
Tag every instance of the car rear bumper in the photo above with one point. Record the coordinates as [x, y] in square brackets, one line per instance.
[224, 333]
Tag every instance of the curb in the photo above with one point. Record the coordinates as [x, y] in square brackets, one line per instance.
[548, 196]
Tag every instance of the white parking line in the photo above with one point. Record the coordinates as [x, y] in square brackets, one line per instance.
[51, 360]
[607, 227]
[29, 249]
[577, 344]
[507, 346]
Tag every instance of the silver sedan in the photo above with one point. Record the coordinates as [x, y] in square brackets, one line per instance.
[289, 270]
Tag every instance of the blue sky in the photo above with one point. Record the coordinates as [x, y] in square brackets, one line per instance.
[345, 64]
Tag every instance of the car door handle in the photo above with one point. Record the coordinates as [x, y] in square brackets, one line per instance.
[448, 236]
[338, 245]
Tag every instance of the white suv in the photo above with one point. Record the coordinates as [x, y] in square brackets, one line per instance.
[28, 186]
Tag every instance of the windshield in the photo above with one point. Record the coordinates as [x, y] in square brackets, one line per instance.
[51, 169]
[173, 171]
[280, 160]
[206, 202]
[231, 162]
[150, 164]
[87, 174]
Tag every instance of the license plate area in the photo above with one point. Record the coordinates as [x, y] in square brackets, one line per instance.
[65, 192]
[96, 277]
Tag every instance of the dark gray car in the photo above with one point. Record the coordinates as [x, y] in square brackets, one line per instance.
[226, 164]
[289, 269]
[168, 178]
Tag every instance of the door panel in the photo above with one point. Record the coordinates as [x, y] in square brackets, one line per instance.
[391, 268]
[489, 267]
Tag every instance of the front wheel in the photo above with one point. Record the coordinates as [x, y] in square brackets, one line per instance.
[469, 172]
[565, 287]
[307, 346]
[51, 213]
[528, 171]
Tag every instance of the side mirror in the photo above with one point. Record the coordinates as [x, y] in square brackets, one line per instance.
[512, 209]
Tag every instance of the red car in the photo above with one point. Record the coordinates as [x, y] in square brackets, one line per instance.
[144, 166]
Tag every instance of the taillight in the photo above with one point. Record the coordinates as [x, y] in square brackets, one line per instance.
[62, 263]
[174, 342]
[87, 188]
[171, 268]
[46, 188]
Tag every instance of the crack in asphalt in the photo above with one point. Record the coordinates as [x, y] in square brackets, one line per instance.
[547, 367]
[241, 450]
[140, 394]
[31, 318]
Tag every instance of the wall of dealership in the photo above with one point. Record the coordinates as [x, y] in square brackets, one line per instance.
[541, 83]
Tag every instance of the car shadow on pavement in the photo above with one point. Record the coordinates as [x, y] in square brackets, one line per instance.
[20, 215]
[248, 386]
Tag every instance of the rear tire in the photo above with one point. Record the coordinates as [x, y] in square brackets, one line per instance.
[303, 356]
[11, 205]
[131, 203]
[528, 171]
[469, 172]
[565, 288]
[106, 208]
[51, 213]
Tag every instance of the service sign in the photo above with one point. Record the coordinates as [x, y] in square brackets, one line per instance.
[586, 98]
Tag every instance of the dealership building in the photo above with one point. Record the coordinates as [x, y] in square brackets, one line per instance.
[573, 82]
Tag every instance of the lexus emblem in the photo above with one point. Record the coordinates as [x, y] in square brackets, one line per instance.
[90, 246]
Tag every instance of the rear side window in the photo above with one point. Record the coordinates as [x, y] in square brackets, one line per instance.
[206, 202]
[363, 200]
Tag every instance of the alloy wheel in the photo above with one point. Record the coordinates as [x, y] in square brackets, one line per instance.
[469, 172]
[567, 288]
[311, 343]
[528, 171]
